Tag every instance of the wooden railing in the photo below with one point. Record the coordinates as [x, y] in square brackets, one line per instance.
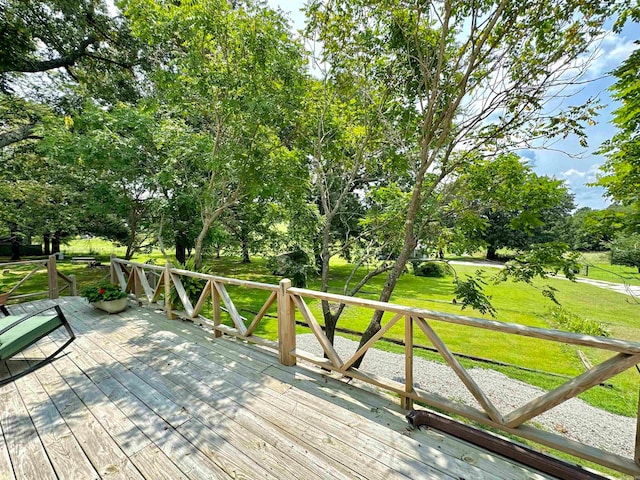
[150, 281]
[53, 285]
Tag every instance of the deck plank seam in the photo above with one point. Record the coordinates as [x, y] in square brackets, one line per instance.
[141, 378]
[400, 452]
[352, 472]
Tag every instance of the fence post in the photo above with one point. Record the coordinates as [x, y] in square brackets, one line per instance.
[112, 270]
[73, 286]
[215, 303]
[52, 274]
[168, 308]
[286, 324]
[406, 402]
[636, 456]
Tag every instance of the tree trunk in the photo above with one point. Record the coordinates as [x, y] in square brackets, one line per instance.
[20, 133]
[181, 250]
[46, 239]
[245, 250]
[15, 243]
[408, 247]
[199, 246]
[55, 242]
[491, 252]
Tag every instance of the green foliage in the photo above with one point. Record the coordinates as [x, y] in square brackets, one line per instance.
[622, 167]
[470, 293]
[625, 250]
[431, 269]
[192, 286]
[103, 291]
[294, 265]
[592, 230]
[502, 202]
[230, 76]
[563, 319]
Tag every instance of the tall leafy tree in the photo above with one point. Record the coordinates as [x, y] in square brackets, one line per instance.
[474, 76]
[116, 151]
[230, 70]
[512, 206]
[592, 230]
[78, 42]
[622, 167]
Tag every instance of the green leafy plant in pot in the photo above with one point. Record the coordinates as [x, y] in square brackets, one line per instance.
[106, 296]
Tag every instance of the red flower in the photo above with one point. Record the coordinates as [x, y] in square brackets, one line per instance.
[102, 290]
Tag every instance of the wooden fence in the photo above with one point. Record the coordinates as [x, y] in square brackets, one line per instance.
[151, 281]
[53, 275]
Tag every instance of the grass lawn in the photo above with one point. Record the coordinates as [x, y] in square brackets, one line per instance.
[516, 303]
[600, 268]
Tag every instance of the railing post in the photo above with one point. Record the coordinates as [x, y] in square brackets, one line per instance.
[215, 303]
[137, 283]
[112, 270]
[286, 324]
[52, 274]
[168, 308]
[73, 286]
[406, 402]
[636, 456]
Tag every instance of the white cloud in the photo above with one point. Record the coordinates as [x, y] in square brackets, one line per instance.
[573, 173]
[610, 53]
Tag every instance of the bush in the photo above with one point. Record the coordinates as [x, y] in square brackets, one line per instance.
[562, 319]
[193, 286]
[625, 250]
[293, 265]
[103, 291]
[431, 269]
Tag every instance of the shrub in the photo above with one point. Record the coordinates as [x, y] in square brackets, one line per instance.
[625, 250]
[293, 265]
[193, 286]
[562, 319]
[103, 291]
[431, 269]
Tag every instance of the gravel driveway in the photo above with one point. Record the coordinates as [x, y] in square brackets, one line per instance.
[574, 419]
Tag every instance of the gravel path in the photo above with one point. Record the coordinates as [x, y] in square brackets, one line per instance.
[574, 419]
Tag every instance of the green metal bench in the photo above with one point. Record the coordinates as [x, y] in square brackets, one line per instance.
[18, 332]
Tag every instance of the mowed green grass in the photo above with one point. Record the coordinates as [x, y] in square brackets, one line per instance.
[515, 303]
[600, 268]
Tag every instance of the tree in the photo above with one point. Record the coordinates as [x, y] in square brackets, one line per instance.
[230, 70]
[515, 207]
[116, 156]
[625, 250]
[475, 75]
[592, 230]
[79, 42]
[622, 167]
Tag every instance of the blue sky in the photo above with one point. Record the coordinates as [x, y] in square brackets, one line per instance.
[581, 165]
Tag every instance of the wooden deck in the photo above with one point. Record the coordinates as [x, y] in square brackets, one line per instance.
[138, 396]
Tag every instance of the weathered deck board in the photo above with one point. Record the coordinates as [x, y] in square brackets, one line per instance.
[27, 453]
[63, 450]
[258, 361]
[248, 423]
[139, 396]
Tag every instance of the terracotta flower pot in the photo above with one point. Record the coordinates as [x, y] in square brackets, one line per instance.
[111, 306]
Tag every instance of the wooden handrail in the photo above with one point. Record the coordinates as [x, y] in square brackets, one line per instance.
[616, 345]
[53, 290]
[289, 300]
